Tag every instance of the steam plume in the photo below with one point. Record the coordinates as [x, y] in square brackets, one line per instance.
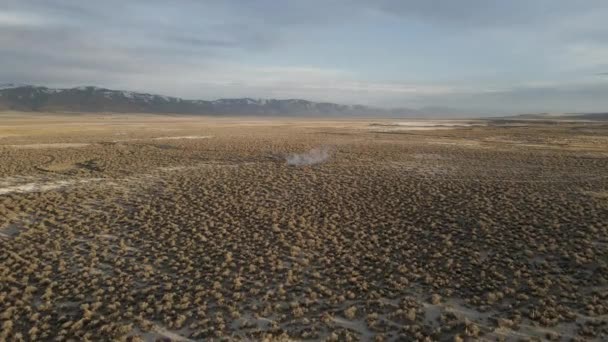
[314, 156]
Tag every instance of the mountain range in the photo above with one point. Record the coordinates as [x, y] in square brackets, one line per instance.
[85, 99]
[90, 99]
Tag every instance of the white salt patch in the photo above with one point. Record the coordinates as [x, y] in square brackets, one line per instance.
[185, 137]
[463, 143]
[430, 128]
[358, 326]
[39, 187]
[431, 156]
[434, 123]
[423, 125]
[169, 334]
[203, 165]
[11, 181]
[173, 168]
[159, 331]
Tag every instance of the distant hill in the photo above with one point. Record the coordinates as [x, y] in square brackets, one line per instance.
[90, 99]
[588, 116]
[567, 116]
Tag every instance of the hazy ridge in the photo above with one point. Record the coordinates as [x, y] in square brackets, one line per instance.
[95, 99]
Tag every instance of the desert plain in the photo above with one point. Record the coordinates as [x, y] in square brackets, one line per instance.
[140, 227]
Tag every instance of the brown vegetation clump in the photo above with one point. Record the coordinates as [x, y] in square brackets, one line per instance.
[351, 312]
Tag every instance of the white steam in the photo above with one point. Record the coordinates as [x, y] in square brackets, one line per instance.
[314, 156]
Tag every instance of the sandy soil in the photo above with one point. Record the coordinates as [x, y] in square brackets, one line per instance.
[58, 145]
[143, 227]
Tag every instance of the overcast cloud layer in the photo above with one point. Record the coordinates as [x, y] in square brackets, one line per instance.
[482, 56]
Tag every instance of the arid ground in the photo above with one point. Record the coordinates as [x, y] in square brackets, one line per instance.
[137, 227]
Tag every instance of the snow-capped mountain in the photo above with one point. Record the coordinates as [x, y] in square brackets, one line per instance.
[11, 85]
[94, 99]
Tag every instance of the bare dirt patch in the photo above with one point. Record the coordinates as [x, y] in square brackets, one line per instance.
[45, 146]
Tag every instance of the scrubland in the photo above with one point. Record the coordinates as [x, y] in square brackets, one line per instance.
[124, 227]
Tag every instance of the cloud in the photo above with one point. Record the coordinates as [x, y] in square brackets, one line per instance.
[483, 13]
[476, 54]
[10, 19]
[586, 55]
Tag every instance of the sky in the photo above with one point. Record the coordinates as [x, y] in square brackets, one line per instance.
[478, 56]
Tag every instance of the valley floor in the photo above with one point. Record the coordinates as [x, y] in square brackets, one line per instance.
[140, 227]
